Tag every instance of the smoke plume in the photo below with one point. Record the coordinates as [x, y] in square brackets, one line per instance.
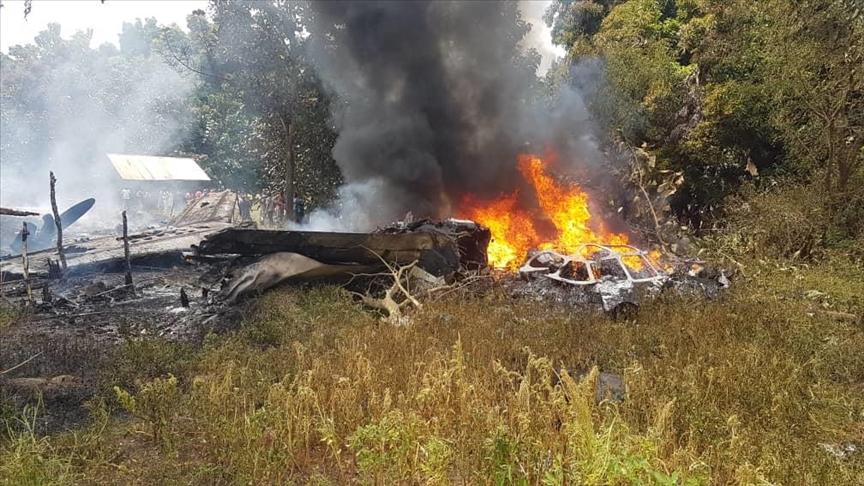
[89, 102]
[436, 99]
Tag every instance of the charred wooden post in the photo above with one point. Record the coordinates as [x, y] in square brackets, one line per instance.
[53, 269]
[47, 298]
[129, 284]
[58, 223]
[26, 263]
[16, 212]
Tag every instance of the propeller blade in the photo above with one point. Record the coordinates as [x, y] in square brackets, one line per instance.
[76, 212]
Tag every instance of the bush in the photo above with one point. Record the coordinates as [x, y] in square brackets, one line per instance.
[795, 221]
[156, 403]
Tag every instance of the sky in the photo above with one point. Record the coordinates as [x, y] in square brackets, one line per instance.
[106, 20]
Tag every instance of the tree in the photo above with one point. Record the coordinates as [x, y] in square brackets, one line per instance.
[725, 91]
[259, 97]
[817, 54]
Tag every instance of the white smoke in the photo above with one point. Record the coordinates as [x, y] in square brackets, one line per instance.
[93, 102]
[358, 207]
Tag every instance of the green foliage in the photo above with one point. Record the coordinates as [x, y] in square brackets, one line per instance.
[793, 221]
[146, 359]
[728, 91]
[386, 449]
[156, 403]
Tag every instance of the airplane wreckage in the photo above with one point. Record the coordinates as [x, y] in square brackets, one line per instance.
[207, 259]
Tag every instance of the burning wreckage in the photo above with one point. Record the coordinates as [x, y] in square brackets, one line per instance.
[219, 262]
[212, 252]
[190, 279]
[616, 277]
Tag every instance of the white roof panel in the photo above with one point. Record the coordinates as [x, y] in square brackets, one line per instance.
[149, 168]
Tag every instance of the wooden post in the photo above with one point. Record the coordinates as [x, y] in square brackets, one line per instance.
[129, 284]
[24, 234]
[58, 223]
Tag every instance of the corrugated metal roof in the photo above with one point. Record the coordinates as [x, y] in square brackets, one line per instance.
[149, 168]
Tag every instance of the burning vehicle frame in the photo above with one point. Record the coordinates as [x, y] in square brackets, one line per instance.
[618, 261]
[616, 278]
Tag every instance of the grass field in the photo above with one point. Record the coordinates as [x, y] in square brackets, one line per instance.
[749, 389]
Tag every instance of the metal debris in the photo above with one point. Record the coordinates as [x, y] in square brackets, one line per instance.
[840, 451]
[615, 276]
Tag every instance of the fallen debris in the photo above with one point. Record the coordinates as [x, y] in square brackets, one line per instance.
[221, 207]
[52, 388]
[840, 451]
[616, 276]
[472, 239]
[396, 297]
[436, 253]
[272, 270]
[155, 248]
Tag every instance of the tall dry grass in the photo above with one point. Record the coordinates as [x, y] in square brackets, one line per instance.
[493, 390]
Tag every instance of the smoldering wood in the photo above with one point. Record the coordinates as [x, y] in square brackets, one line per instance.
[59, 223]
[129, 284]
[472, 239]
[163, 248]
[436, 253]
[16, 212]
[47, 298]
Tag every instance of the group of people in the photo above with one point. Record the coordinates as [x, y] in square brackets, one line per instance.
[269, 209]
[274, 209]
[163, 202]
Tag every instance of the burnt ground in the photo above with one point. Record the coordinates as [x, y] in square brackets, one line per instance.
[68, 342]
[70, 338]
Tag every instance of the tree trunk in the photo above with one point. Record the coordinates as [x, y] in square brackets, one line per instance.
[58, 223]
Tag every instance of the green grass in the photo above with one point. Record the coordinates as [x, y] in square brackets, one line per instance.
[489, 390]
[9, 315]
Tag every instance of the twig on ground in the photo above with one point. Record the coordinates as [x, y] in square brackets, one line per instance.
[31, 358]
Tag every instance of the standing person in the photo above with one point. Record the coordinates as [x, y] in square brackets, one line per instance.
[165, 202]
[125, 196]
[244, 204]
[279, 207]
[139, 200]
[267, 209]
[299, 208]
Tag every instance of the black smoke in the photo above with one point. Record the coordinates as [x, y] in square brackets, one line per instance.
[435, 100]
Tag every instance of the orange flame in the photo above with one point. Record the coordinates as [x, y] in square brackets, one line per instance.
[513, 230]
